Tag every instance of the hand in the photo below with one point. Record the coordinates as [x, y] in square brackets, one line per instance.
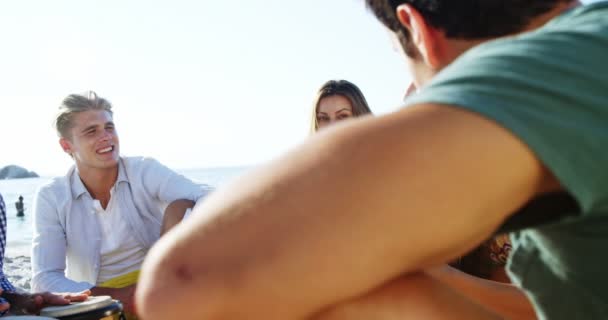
[70, 296]
[32, 303]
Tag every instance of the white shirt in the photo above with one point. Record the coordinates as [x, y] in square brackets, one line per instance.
[69, 237]
[120, 253]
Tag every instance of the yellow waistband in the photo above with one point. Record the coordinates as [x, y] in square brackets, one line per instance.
[122, 281]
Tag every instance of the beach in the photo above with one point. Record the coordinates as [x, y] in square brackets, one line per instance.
[18, 271]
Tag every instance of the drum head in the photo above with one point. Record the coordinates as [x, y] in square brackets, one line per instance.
[92, 303]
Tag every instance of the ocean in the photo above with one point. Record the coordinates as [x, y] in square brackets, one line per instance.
[20, 229]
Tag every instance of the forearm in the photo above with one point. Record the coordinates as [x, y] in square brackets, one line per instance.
[57, 283]
[48, 267]
[49, 248]
[414, 296]
[174, 213]
[504, 298]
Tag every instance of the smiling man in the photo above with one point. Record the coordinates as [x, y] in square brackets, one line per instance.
[94, 226]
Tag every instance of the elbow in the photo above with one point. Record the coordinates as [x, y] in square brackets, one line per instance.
[173, 292]
[180, 280]
[171, 287]
[166, 290]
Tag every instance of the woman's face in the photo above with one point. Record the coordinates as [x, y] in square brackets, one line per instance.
[333, 108]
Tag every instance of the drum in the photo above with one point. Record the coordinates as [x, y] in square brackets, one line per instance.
[94, 308]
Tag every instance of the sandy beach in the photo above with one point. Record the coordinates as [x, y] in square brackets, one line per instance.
[18, 270]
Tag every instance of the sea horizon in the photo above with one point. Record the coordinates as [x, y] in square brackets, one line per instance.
[20, 229]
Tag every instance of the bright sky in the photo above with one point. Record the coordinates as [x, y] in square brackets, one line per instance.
[194, 83]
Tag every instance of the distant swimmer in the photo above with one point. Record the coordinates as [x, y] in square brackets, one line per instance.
[20, 208]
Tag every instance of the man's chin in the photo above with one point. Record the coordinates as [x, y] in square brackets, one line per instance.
[109, 162]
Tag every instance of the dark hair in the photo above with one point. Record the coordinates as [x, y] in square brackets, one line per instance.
[486, 259]
[464, 19]
[340, 88]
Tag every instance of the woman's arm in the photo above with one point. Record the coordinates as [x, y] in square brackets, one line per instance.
[505, 299]
[174, 214]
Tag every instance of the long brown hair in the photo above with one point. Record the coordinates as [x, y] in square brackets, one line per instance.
[343, 88]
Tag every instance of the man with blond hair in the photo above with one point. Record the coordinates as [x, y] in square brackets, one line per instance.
[94, 226]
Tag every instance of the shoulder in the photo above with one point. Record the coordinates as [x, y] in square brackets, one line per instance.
[535, 85]
[53, 195]
[140, 163]
[582, 32]
[145, 170]
[57, 186]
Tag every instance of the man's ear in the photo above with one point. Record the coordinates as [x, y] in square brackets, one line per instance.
[66, 145]
[427, 39]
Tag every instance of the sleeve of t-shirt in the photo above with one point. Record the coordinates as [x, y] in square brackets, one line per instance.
[550, 89]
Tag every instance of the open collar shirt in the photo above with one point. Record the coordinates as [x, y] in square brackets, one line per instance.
[67, 240]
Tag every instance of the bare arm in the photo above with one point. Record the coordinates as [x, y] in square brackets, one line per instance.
[174, 214]
[440, 293]
[412, 296]
[506, 299]
[347, 211]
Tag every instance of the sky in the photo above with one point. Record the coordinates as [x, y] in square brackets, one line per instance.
[195, 83]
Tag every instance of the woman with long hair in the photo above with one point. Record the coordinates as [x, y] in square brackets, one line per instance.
[337, 100]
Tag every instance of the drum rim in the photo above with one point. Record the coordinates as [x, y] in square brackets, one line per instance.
[114, 309]
[77, 307]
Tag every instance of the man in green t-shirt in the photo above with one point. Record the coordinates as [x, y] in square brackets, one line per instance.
[511, 135]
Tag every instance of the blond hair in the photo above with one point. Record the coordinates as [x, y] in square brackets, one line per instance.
[76, 103]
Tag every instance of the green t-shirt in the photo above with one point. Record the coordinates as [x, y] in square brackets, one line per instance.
[550, 89]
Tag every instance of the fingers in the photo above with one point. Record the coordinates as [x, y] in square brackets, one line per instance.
[72, 296]
[76, 297]
[51, 299]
